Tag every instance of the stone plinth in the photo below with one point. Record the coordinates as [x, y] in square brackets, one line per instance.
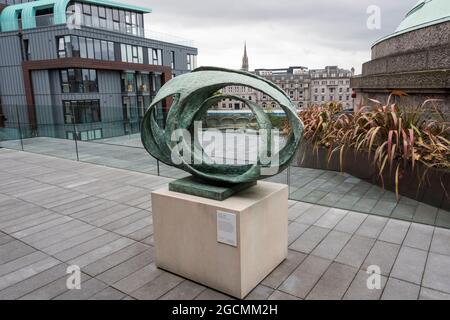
[187, 234]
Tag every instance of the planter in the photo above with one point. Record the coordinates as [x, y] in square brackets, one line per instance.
[432, 190]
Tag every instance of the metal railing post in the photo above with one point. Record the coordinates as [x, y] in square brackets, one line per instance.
[75, 133]
[19, 126]
[289, 179]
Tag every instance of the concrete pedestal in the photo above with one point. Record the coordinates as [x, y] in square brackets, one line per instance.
[187, 234]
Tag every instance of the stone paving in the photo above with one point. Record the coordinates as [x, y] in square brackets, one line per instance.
[327, 188]
[56, 212]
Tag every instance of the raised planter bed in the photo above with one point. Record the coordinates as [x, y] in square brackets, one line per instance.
[433, 190]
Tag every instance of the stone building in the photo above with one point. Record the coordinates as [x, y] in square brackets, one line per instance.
[331, 84]
[303, 86]
[414, 59]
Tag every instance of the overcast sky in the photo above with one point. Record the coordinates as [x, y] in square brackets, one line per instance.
[279, 33]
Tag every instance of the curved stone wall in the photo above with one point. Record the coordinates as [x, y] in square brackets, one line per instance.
[417, 40]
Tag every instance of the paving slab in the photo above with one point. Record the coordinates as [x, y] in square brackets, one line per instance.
[334, 283]
[360, 290]
[305, 277]
[355, 251]
[409, 265]
[437, 273]
[400, 290]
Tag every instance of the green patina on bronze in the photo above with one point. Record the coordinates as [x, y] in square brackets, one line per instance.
[193, 94]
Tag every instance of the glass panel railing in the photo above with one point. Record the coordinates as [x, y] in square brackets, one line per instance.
[49, 139]
[10, 136]
[310, 178]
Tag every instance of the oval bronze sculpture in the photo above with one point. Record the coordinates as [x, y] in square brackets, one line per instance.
[193, 94]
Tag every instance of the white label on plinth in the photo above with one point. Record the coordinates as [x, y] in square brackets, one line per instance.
[226, 228]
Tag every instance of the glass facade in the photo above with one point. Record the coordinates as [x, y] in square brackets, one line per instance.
[132, 54]
[155, 57]
[79, 80]
[191, 61]
[81, 111]
[86, 48]
[128, 82]
[91, 15]
[89, 48]
[143, 83]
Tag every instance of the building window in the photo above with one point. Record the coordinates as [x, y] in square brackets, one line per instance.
[102, 17]
[129, 109]
[26, 50]
[116, 19]
[191, 61]
[97, 49]
[155, 56]
[143, 82]
[111, 52]
[94, 14]
[128, 82]
[81, 111]
[87, 18]
[90, 48]
[111, 19]
[86, 48]
[132, 54]
[79, 80]
[105, 50]
[85, 135]
[75, 46]
[64, 47]
[172, 59]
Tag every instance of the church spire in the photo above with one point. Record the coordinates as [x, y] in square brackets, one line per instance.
[245, 59]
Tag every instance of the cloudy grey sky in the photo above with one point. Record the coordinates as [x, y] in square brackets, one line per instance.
[279, 33]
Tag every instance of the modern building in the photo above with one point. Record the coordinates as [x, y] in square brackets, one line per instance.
[304, 87]
[414, 59]
[88, 63]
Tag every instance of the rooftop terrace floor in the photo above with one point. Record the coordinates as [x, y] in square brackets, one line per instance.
[321, 187]
[56, 212]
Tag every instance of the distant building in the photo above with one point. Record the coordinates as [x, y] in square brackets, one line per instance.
[414, 59]
[83, 62]
[245, 59]
[331, 84]
[304, 87]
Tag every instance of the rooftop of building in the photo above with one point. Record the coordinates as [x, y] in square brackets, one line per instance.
[26, 12]
[424, 14]
[302, 71]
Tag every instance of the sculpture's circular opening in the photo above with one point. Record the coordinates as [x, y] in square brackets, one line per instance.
[179, 143]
